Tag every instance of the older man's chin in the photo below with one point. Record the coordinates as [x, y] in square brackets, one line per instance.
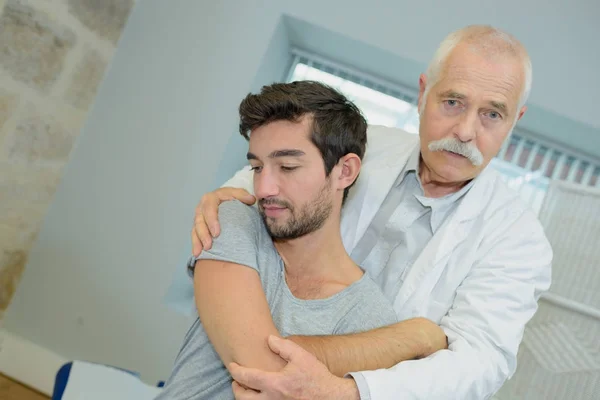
[461, 171]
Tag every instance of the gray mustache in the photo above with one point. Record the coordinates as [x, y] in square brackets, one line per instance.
[468, 150]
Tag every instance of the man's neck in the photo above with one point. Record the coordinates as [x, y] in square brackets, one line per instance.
[317, 265]
[434, 185]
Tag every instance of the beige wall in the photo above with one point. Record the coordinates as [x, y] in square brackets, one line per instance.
[53, 55]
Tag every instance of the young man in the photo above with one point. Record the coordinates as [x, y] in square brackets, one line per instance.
[306, 142]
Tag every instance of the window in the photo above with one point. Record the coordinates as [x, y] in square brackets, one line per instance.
[526, 162]
[380, 102]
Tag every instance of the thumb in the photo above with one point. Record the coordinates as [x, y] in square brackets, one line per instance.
[285, 348]
[231, 193]
[248, 199]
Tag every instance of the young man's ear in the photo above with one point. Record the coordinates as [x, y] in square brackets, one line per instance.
[349, 167]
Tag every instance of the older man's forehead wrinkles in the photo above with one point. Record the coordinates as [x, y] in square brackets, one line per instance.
[499, 79]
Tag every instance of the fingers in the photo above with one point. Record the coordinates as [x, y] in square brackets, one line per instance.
[196, 243]
[206, 221]
[230, 193]
[242, 393]
[286, 349]
[202, 233]
[250, 377]
[209, 211]
[243, 196]
[210, 205]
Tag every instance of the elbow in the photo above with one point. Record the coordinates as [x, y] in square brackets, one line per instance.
[433, 337]
[258, 356]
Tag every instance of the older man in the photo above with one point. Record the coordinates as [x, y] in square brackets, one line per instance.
[438, 231]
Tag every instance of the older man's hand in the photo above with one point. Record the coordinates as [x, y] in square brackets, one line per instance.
[206, 220]
[304, 377]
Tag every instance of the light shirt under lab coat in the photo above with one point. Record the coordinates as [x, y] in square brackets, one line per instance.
[479, 277]
[402, 227]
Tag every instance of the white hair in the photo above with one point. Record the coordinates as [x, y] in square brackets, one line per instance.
[484, 38]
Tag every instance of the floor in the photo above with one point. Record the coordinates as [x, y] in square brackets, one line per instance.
[11, 390]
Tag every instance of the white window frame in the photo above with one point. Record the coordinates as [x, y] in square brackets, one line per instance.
[517, 169]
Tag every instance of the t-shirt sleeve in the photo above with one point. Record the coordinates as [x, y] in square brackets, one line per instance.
[238, 241]
[371, 310]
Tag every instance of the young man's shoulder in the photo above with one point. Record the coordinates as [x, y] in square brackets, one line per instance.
[238, 213]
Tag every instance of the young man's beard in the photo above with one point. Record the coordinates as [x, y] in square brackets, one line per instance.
[308, 219]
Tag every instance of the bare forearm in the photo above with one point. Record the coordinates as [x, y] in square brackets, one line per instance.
[379, 348]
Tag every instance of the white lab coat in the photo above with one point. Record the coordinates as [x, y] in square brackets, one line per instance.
[479, 277]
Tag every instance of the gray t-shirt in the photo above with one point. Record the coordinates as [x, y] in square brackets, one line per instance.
[198, 372]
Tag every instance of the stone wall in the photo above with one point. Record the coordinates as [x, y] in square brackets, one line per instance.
[53, 55]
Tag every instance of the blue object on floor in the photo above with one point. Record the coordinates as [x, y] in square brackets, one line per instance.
[60, 382]
[62, 377]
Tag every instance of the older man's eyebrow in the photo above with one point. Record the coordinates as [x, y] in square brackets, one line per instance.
[452, 94]
[498, 105]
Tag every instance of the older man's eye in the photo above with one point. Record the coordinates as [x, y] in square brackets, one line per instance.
[453, 105]
[494, 115]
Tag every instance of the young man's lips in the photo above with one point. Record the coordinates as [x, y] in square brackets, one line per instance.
[273, 211]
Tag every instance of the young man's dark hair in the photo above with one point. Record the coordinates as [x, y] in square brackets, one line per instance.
[338, 126]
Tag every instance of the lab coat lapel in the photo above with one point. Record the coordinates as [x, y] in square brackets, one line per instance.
[382, 173]
[351, 213]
